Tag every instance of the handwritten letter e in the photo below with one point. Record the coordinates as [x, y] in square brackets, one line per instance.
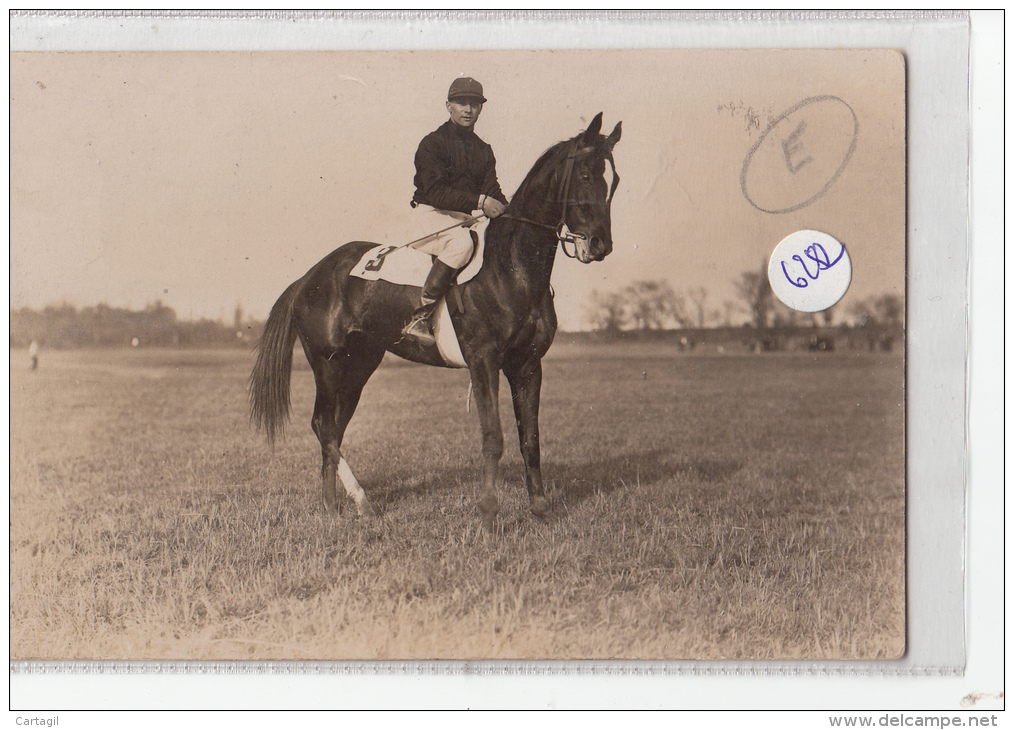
[793, 145]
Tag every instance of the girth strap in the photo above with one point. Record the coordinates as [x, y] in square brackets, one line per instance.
[454, 300]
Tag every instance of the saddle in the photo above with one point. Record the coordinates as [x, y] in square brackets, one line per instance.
[407, 266]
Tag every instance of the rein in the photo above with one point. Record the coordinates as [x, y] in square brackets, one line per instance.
[563, 234]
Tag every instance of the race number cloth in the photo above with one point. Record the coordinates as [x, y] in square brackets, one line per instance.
[409, 267]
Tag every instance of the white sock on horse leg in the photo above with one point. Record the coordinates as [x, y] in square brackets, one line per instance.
[349, 481]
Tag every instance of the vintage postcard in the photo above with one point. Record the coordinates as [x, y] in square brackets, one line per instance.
[588, 355]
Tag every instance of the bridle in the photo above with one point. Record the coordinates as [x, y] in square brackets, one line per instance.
[563, 234]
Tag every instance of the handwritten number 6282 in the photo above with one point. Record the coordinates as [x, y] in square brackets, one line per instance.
[818, 255]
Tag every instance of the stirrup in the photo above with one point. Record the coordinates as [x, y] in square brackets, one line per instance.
[420, 329]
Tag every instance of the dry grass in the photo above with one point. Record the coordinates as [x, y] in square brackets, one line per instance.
[705, 507]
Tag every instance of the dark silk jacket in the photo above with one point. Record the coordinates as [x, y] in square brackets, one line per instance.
[453, 167]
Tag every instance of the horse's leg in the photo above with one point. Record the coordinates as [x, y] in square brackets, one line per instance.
[356, 371]
[353, 488]
[326, 375]
[486, 384]
[526, 385]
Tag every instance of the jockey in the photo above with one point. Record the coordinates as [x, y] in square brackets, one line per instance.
[455, 179]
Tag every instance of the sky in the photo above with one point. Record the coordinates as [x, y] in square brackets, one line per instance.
[211, 180]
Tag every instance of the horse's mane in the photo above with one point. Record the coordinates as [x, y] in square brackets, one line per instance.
[553, 157]
[538, 171]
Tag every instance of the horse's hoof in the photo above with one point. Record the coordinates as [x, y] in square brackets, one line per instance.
[366, 509]
[540, 506]
[488, 508]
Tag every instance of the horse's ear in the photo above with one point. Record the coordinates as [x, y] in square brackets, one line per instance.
[614, 136]
[593, 129]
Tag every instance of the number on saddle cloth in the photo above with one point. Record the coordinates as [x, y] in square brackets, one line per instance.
[377, 261]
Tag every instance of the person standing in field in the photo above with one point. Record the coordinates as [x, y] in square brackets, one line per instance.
[455, 180]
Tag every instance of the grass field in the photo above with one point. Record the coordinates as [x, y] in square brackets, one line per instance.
[705, 506]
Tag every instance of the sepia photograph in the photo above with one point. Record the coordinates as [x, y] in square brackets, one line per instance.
[458, 355]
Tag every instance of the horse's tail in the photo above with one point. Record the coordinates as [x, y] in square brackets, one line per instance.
[269, 380]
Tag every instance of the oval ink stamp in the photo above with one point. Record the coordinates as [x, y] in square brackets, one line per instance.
[800, 155]
[810, 271]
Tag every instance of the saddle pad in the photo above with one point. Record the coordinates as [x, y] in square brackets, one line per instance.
[447, 340]
[405, 266]
[408, 266]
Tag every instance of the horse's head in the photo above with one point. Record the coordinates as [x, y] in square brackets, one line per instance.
[566, 190]
[585, 194]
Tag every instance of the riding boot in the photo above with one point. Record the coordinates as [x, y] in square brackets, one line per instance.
[438, 281]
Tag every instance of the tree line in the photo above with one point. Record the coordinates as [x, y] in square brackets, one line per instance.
[643, 306]
[66, 326]
[655, 305]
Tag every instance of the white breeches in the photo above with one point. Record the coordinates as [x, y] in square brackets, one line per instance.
[453, 247]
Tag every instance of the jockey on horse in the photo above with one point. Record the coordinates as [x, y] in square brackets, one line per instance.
[455, 174]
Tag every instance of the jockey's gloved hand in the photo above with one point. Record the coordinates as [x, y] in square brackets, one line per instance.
[492, 207]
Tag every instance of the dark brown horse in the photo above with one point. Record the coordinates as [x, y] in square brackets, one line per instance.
[507, 323]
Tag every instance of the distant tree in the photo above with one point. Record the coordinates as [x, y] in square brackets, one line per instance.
[783, 315]
[859, 313]
[754, 290]
[881, 318]
[643, 305]
[605, 312]
[889, 309]
[725, 314]
[826, 317]
[63, 326]
[886, 310]
[698, 298]
[156, 324]
[655, 305]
